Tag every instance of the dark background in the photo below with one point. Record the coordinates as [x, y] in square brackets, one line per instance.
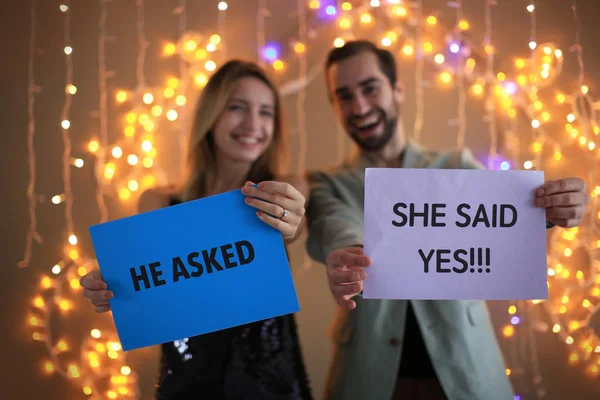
[21, 368]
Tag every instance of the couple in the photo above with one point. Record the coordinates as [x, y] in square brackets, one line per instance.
[382, 349]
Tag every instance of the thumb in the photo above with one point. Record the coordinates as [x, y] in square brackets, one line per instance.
[93, 280]
[355, 250]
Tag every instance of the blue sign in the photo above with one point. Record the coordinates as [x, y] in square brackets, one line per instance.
[193, 268]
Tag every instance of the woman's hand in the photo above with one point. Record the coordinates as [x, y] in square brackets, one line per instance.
[279, 204]
[94, 288]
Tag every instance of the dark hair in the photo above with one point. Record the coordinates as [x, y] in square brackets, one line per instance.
[385, 59]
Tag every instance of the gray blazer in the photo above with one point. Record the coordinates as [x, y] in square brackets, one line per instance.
[458, 334]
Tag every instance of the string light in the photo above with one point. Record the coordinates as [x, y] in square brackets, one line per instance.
[32, 89]
[490, 104]
[183, 73]
[52, 297]
[94, 146]
[506, 94]
[66, 137]
[260, 26]
[301, 98]
[571, 292]
[142, 46]
[221, 23]
[420, 64]
[462, 98]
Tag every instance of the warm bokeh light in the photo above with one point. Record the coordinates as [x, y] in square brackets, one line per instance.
[522, 95]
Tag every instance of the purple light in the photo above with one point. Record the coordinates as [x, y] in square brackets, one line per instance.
[511, 87]
[327, 11]
[517, 397]
[515, 320]
[270, 52]
[500, 163]
[454, 48]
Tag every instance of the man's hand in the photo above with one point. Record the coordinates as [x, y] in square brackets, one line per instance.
[346, 272]
[565, 201]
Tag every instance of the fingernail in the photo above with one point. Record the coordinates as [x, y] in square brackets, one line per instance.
[248, 200]
[363, 275]
[245, 190]
[540, 192]
[539, 202]
[109, 295]
[259, 213]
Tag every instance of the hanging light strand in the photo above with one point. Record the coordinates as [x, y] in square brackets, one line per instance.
[181, 10]
[142, 46]
[577, 46]
[490, 104]
[535, 132]
[301, 97]
[66, 125]
[32, 89]
[420, 64]
[221, 24]
[183, 76]
[578, 49]
[260, 29]
[101, 155]
[536, 378]
[460, 81]
[300, 105]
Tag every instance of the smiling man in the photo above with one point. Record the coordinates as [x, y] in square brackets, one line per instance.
[397, 349]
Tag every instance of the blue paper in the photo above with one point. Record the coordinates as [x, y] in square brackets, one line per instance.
[250, 291]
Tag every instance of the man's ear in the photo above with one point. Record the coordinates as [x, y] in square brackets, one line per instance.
[399, 92]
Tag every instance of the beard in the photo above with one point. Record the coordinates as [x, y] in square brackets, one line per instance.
[373, 142]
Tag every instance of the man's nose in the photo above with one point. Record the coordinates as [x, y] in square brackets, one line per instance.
[359, 106]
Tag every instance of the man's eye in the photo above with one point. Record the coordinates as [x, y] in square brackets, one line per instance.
[370, 90]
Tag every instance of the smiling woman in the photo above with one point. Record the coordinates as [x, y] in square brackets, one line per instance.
[237, 142]
[245, 129]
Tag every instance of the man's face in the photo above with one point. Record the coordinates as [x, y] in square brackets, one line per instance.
[364, 100]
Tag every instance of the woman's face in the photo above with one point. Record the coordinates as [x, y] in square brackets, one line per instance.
[245, 128]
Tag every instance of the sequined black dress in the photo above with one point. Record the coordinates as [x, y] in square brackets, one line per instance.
[262, 360]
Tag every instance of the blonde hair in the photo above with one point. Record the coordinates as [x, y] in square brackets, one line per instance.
[201, 161]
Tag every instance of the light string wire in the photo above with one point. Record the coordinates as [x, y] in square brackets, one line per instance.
[419, 67]
[300, 107]
[221, 24]
[66, 137]
[184, 79]
[32, 89]
[535, 132]
[490, 104]
[142, 46]
[47, 308]
[340, 144]
[460, 84]
[301, 96]
[539, 136]
[103, 106]
[565, 331]
[578, 49]
[260, 30]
